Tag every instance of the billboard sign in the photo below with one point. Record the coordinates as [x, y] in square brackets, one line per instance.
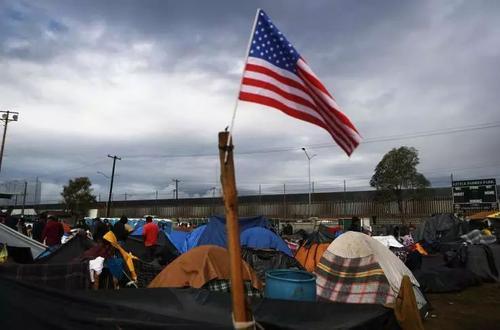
[480, 195]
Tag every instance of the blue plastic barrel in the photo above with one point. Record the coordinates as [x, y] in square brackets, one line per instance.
[289, 284]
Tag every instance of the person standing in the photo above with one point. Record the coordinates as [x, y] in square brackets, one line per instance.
[52, 233]
[150, 236]
[38, 227]
[120, 230]
[21, 227]
[100, 229]
[11, 222]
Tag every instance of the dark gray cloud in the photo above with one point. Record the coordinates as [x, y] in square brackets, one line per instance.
[155, 80]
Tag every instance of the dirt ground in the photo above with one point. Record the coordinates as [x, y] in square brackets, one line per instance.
[476, 308]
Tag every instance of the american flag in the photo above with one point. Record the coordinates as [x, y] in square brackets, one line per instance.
[277, 76]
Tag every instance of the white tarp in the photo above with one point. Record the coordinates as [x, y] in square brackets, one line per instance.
[14, 238]
[388, 241]
[26, 212]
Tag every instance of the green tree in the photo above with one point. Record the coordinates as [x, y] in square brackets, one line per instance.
[397, 173]
[77, 196]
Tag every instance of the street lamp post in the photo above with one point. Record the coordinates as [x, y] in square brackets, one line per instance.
[6, 117]
[309, 157]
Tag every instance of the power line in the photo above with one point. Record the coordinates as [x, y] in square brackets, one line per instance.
[447, 131]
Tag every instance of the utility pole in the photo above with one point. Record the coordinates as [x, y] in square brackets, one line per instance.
[284, 201]
[313, 187]
[309, 157]
[24, 198]
[344, 199]
[36, 200]
[6, 118]
[108, 211]
[176, 188]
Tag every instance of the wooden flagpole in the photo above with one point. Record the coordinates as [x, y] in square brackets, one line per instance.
[241, 316]
[240, 311]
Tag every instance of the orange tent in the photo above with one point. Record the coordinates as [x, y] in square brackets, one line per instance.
[198, 266]
[481, 215]
[309, 256]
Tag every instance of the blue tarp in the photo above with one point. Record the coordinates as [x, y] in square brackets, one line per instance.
[263, 238]
[178, 238]
[192, 239]
[215, 232]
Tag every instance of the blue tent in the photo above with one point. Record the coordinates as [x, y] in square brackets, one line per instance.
[178, 238]
[263, 238]
[215, 232]
[192, 239]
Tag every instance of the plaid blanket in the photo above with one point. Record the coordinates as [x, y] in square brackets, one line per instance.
[72, 276]
[475, 237]
[225, 286]
[352, 280]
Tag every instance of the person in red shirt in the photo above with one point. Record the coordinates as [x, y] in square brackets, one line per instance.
[150, 236]
[52, 233]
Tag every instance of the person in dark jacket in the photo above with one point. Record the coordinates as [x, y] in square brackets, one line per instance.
[120, 230]
[38, 227]
[11, 222]
[100, 229]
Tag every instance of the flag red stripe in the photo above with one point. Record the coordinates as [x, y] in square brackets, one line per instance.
[306, 76]
[292, 97]
[314, 80]
[335, 130]
[275, 75]
[264, 100]
[332, 113]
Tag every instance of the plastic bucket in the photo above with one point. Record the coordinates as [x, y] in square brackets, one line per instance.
[290, 284]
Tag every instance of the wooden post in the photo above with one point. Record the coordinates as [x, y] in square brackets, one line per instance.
[240, 312]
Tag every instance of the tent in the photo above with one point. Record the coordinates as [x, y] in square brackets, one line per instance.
[482, 215]
[263, 238]
[199, 266]
[67, 252]
[435, 277]
[166, 249]
[192, 239]
[215, 229]
[309, 255]
[313, 247]
[440, 228]
[264, 260]
[358, 269]
[178, 238]
[214, 232]
[15, 239]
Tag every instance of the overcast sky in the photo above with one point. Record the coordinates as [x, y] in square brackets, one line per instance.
[152, 81]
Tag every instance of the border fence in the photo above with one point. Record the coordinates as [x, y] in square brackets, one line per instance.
[286, 206]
